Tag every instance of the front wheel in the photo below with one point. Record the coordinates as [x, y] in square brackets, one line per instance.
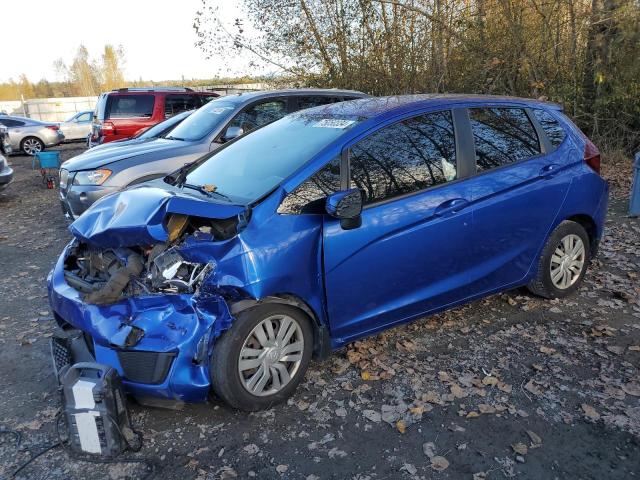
[563, 262]
[262, 358]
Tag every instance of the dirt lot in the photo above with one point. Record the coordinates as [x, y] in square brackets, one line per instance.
[508, 387]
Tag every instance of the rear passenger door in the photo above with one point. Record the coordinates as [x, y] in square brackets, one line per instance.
[517, 192]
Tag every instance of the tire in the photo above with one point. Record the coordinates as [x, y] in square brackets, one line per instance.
[557, 277]
[31, 145]
[233, 385]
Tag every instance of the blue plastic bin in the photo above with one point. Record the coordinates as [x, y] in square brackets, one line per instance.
[47, 159]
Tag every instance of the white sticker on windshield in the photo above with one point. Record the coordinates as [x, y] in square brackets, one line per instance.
[219, 110]
[333, 123]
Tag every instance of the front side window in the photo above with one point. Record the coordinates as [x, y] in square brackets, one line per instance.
[85, 117]
[502, 136]
[131, 106]
[309, 197]
[555, 132]
[259, 114]
[405, 157]
[174, 104]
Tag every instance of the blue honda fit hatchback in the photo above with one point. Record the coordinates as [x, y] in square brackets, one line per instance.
[325, 226]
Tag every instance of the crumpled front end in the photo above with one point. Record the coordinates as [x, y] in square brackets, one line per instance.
[147, 307]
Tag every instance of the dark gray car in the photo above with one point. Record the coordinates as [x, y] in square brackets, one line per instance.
[94, 174]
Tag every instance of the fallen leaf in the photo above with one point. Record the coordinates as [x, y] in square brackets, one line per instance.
[484, 408]
[429, 449]
[282, 468]
[531, 387]
[520, 448]
[473, 415]
[590, 412]
[547, 350]
[458, 391]
[632, 389]
[489, 380]
[400, 425]
[372, 415]
[616, 349]
[535, 439]
[439, 464]
[634, 348]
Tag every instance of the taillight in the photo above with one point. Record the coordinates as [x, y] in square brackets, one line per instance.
[107, 127]
[592, 156]
[52, 127]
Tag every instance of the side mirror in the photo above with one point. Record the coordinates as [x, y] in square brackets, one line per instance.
[232, 132]
[347, 207]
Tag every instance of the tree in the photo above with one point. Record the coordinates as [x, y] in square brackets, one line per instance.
[26, 87]
[111, 68]
[576, 52]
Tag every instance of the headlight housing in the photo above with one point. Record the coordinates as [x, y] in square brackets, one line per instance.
[92, 177]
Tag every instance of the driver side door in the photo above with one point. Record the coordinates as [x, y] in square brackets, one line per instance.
[411, 253]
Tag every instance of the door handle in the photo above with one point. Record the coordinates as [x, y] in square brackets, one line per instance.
[450, 207]
[549, 171]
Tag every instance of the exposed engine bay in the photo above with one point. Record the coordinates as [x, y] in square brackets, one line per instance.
[105, 276]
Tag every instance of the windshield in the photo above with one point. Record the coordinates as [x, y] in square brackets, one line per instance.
[204, 120]
[163, 128]
[248, 169]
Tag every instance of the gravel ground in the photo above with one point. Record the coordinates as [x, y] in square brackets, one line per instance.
[507, 387]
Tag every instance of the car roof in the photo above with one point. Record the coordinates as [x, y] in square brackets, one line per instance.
[22, 119]
[374, 106]
[257, 95]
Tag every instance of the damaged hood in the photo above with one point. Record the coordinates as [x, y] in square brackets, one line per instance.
[136, 216]
[96, 158]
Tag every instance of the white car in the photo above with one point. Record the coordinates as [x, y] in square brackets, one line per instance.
[78, 126]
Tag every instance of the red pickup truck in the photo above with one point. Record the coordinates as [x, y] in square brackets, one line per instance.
[121, 113]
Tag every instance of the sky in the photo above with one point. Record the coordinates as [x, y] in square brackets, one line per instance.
[157, 36]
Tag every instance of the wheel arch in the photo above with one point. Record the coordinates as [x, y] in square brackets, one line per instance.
[27, 137]
[321, 334]
[589, 224]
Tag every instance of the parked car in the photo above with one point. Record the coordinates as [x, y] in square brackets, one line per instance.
[31, 136]
[93, 174]
[147, 134]
[323, 227]
[77, 126]
[6, 173]
[5, 142]
[121, 113]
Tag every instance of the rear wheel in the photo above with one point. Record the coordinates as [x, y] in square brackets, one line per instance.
[563, 261]
[262, 358]
[31, 145]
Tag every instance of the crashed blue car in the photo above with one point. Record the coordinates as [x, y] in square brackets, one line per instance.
[325, 226]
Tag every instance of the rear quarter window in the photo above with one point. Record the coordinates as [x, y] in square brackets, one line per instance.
[555, 132]
[131, 106]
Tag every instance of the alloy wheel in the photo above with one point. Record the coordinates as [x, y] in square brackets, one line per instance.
[31, 146]
[271, 355]
[567, 262]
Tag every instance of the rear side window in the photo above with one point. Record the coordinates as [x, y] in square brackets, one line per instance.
[131, 106]
[405, 157]
[174, 104]
[502, 136]
[310, 196]
[555, 132]
[11, 123]
[315, 101]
